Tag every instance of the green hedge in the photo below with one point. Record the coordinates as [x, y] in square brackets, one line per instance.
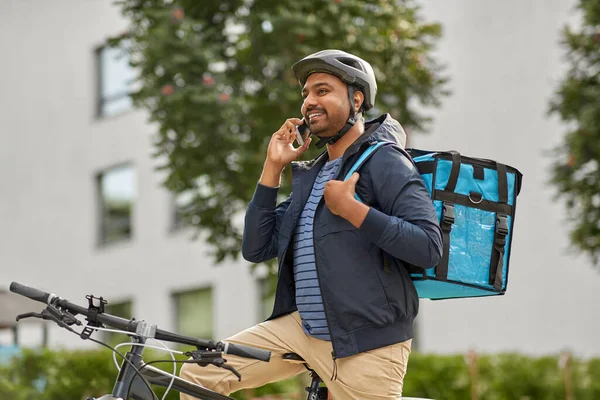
[54, 375]
[502, 377]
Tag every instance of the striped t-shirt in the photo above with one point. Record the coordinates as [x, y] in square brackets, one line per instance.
[308, 294]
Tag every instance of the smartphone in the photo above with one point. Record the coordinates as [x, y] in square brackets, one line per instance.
[301, 132]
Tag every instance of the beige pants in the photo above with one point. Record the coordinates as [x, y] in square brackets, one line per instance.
[375, 374]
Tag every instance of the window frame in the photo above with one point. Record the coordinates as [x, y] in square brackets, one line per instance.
[101, 239]
[175, 295]
[102, 100]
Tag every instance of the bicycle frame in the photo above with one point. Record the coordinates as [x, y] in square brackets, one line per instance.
[128, 384]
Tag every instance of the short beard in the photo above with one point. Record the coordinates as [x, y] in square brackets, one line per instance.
[327, 131]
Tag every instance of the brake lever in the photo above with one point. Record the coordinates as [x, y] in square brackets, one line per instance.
[222, 363]
[30, 315]
[62, 318]
[233, 370]
[47, 314]
[205, 358]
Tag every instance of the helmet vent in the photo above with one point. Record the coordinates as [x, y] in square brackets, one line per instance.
[351, 62]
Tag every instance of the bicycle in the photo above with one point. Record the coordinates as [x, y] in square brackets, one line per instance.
[135, 376]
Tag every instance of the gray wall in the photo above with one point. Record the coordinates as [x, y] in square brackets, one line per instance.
[504, 61]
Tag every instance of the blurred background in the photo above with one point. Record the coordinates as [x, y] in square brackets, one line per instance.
[133, 135]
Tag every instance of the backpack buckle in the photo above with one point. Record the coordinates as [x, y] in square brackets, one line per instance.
[502, 225]
[448, 213]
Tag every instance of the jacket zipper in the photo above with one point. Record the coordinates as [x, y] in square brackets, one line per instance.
[333, 352]
[333, 355]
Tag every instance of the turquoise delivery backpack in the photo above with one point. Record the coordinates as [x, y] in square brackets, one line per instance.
[475, 201]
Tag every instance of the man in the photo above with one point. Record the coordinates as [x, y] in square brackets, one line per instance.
[345, 301]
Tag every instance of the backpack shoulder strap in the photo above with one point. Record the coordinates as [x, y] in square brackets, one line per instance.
[363, 159]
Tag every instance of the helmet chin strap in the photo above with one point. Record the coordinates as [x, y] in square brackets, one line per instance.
[349, 124]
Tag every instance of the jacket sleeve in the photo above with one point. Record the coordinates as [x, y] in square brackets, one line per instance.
[406, 225]
[261, 225]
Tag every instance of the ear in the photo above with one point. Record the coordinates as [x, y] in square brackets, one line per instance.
[359, 97]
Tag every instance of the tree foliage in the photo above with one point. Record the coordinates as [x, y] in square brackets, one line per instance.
[576, 170]
[215, 77]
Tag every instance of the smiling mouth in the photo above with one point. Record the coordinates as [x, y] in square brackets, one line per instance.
[313, 116]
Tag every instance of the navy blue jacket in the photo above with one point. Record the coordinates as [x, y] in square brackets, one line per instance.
[368, 304]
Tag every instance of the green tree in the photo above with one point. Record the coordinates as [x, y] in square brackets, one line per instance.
[576, 169]
[216, 80]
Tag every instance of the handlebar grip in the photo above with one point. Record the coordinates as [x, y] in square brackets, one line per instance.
[247, 352]
[32, 293]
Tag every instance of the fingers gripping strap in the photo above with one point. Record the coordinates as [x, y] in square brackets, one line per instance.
[361, 160]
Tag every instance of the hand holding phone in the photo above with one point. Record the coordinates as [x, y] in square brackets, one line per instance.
[301, 131]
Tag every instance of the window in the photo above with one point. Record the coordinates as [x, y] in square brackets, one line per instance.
[124, 310]
[116, 191]
[194, 313]
[182, 205]
[184, 202]
[115, 80]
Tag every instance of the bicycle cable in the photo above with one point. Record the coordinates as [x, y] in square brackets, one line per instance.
[171, 352]
[173, 375]
[163, 348]
[122, 356]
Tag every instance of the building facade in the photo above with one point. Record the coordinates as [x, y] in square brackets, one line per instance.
[83, 210]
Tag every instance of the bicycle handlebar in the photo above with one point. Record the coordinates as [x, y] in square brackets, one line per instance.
[246, 351]
[33, 294]
[132, 325]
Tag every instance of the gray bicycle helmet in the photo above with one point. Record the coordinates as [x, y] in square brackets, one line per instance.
[352, 70]
[349, 68]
